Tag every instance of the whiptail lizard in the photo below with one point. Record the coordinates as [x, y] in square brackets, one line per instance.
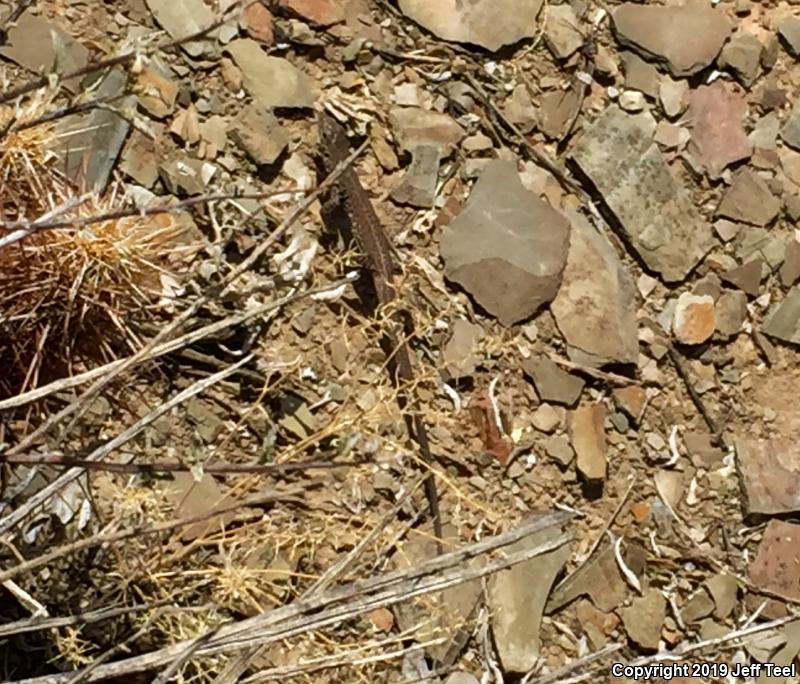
[377, 251]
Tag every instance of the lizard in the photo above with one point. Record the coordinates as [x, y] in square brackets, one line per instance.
[377, 252]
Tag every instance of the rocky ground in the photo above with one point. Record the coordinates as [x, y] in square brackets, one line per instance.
[595, 211]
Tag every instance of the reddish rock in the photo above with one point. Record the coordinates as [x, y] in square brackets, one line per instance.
[589, 440]
[718, 137]
[320, 12]
[695, 318]
[776, 568]
[258, 23]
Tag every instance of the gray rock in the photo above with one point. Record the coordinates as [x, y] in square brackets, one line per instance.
[183, 18]
[789, 30]
[553, 383]
[731, 311]
[559, 449]
[661, 32]
[507, 248]
[595, 308]
[790, 132]
[259, 133]
[742, 55]
[516, 603]
[488, 23]
[639, 75]
[459, 353]
[749, 200]
[271, 81]
[783, 322]
[42, 47]
[91, 143]
[656, 212]
[765, 132]
[561, 31]
[644, 618]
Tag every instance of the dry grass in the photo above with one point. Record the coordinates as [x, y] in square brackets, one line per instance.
[67, 295]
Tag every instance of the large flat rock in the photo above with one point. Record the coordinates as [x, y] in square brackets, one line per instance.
[507, 248]
[654, 209]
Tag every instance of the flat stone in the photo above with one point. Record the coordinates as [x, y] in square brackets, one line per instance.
[546, 418]
[415, 126]
[749, 200]
[139, 159]
[761, 243]
[765, 133]
[790, 270]
[673, 95]
[660, 219]
[197, 499]
[599, 578]
[770, 472]
[488, 23]
[776, 567]
[562, 33]
[595, 307]
[258, 22]
[44, 48]
[559, 449]
[156, 91]
[742, 56]
[553, 383]
[724, 589]
[516, 604]
[89, 144]
[790, 131]
[789, 30]
[726, 230]
[183, 18]
[639, 74]
[270, 81]
[716, 114]
[557, 109]
[783, 322]
[589, 440]
[460, 355]
[746, 277]
[631, 400]
[731, 312]
[644, 618]
[507, 248]
[792, 203]
[461, 677]
[418, 186]
[699, 606]
[259, 133]
[661, 32]
[671, 136]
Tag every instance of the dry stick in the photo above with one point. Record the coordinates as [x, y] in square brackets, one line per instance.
[173, 466]
[167, 347]
[36, 624]
[559, 674]
[348, 601]
[302, 207]
[101, 452]
[120, 59]
[237, 667]
[612, 378]
[716, 431]
[48, 223]
[28, 566]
